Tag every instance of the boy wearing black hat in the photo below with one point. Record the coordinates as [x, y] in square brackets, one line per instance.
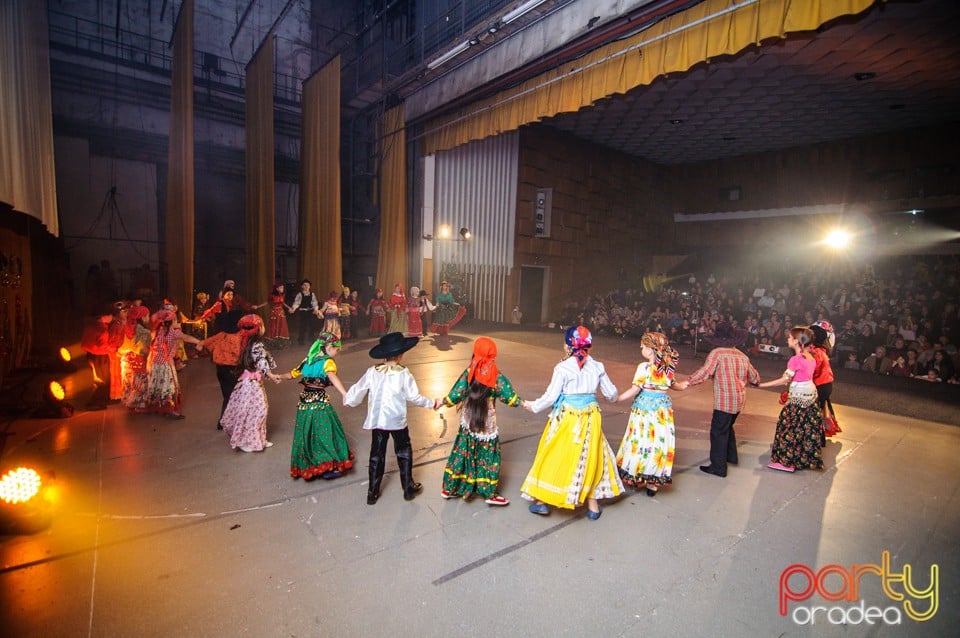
[391, 386]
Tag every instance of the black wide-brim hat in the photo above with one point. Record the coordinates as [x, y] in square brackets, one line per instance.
[392, 344]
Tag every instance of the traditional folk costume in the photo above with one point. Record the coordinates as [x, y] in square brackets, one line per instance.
[346, 325]
[448, 312]
[391, 386]
[377, 309]
[355, 308]
[414, 325]
[96, 342]
[647, 449]
[574, 462]
[133, 361]
[331, 315]
[278, 332]
[320, 446]
[163, 385]
[397, 311]
[474, 463]
[796, 443]
[823, 376]
[117, 331]
[245, 418]
[306, 307]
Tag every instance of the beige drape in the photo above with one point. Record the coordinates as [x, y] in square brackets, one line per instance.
[259, 226]
[179, 235]
[706, 30]
[392, 262]
[27, 178]
[319, 234]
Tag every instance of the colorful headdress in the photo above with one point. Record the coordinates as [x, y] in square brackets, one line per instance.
[578, 340]
[664, 357]
[822, 333]
[319, 347]
[483, 368]
[249, 325]
[162, 316]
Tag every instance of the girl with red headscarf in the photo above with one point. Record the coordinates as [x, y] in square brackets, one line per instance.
[397, 303]
[245, 418]
[574, 462]
[474, 463]
[163, 386]
[377, 309]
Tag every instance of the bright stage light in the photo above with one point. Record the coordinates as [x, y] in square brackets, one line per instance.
[837, 239]
[19, 485]
[56, 391]
[65, 355]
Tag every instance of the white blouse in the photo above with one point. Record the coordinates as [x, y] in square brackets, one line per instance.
[390, 386]
[570, 378]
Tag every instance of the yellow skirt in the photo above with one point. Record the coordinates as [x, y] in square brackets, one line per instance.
[574, 461]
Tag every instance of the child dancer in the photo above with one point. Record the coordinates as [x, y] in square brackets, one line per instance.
[319, 444]
[245, 418]
[391, 386]
[278, 334]
[163, 385]
[796, 444]
[377, 309]
[474, 463]
[133, 366]
[574, 462]
[646, 452]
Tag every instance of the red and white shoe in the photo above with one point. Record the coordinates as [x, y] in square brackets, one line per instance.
[496, 499]
[446, 494]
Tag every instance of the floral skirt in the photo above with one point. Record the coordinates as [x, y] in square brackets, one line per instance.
[245, 418]
[797, 442]
[133, 372]
[473, 466]
[446, 316]
[574, 462]
[398, 321]
[646, 452]
[319, 444]
[163, 388]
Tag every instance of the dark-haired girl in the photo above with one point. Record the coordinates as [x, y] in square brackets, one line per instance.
[245, 418]
[474, 463]
[796, 444]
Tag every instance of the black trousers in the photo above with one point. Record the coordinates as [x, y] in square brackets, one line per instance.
[227, 376]
[378, 451]
[306, 327]
[100, 365]
[723, 441]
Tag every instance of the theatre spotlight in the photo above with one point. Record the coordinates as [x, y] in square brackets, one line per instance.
[465, 233]
[65, 355]
[444, 232]
[837, 239]
[54, 405]
[23, 507]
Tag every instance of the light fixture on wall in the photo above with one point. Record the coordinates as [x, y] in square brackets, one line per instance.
[443, 234]
[449, 55]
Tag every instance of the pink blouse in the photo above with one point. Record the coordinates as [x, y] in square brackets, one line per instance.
[803, 368]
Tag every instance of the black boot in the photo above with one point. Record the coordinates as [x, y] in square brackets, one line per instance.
[376, 470]
[410, 487]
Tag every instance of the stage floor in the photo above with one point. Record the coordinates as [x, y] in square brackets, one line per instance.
[162, 530]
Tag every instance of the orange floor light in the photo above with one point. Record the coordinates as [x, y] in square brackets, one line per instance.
[19, 485]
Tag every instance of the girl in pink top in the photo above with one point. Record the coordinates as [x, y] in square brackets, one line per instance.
[796, 444]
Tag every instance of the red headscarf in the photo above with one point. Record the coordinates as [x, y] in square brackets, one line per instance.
[249, 326]
[483, 368]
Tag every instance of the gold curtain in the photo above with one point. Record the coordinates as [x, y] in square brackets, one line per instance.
[392, 262]
[672, 45]
[319, 235]
[259, 226]
[27, 177]
[179, 235]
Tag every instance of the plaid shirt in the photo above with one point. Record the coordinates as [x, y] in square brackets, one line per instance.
[731, 370]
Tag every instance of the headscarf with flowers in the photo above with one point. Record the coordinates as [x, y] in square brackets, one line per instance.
[578, 340]
[483, 368]
[664, 357]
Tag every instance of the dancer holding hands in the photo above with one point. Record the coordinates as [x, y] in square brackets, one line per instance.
[574, 462]
[646, 453]
[474, 463]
